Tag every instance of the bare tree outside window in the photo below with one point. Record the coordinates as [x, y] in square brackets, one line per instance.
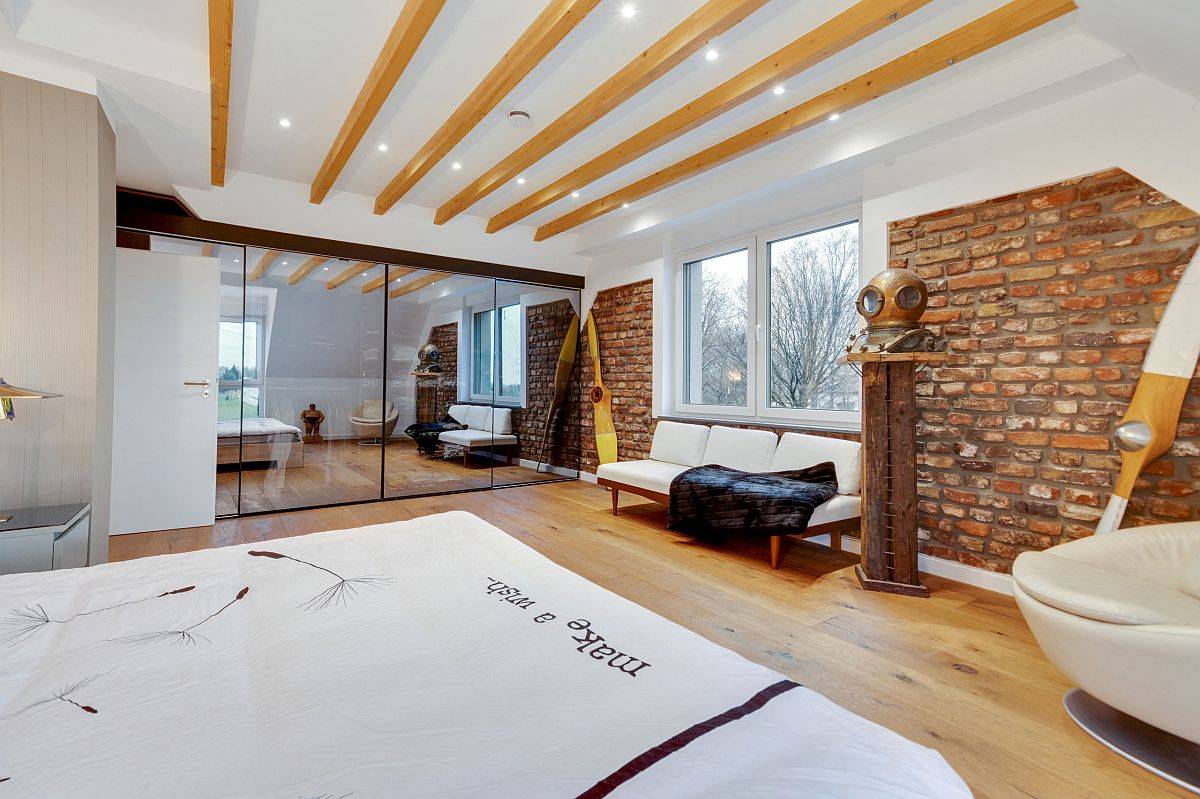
[813, 280]
[716, 313]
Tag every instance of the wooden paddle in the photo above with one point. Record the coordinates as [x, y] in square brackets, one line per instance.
[606, 433]
[562, 381]
[1148, 428]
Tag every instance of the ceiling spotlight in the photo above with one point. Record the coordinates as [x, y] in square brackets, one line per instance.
[381, 147]
[520, 181]
[325, 268]
[284, 122]
[629, 11]
[624, 205]
[519, 118]
[834, 117]
[456, 166]
[575, 194]
[283, 263]
[711, 54]
[779, 89]
[237, 260]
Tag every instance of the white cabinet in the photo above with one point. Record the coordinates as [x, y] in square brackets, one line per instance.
[40, 539]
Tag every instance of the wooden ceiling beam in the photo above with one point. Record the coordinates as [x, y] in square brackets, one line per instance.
[417, 284]
[349, 273]
[557, 19]
[847, 28]
[414, 21]
[982, 34]
[307, 268]
[263, 266]
[392, 273]
[709, 21]
[220, 59]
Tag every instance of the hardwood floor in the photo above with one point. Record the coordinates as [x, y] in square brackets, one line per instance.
[959, 672]
[344, 471]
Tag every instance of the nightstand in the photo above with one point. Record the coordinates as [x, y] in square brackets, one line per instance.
[41, 539]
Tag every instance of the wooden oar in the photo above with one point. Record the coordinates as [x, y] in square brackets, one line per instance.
[1148, 428]
[606, 434]
[562, 382]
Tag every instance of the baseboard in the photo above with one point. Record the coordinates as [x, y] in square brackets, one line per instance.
[950, 569]
[548, 468]
[587, 477]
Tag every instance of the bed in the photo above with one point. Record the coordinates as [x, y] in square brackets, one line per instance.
[261, 440]
[433, 657]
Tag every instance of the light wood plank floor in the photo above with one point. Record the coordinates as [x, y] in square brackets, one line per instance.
[959, 672]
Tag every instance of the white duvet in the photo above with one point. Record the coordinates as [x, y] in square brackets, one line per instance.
[256, 427]
[436, 657]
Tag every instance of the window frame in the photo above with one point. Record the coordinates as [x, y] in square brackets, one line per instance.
[757, 408]
[494, 397]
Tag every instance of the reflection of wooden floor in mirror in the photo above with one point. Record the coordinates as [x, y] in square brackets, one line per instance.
[344, 471]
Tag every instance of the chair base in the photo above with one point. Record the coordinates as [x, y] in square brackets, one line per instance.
[1169, 756]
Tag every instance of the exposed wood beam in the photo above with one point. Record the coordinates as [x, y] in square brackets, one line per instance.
[1001, 25]
[557, 19]
[710, 20]
[417, 284]
[264, 265]
[220, 55]
[349, 273]
[847, 28]
[412, 24]
[307, 268]
[392, 273]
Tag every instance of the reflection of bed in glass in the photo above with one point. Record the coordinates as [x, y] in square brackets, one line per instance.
[259, 441]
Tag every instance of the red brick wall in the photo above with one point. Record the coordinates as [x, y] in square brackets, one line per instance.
[547, 326]
[1048, 299]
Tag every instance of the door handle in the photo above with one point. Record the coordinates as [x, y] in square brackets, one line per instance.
[196, 383]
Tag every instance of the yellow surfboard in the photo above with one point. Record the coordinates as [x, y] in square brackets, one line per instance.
[606, 433]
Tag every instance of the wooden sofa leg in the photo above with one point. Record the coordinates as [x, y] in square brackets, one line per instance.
[615, 492]
[465, 451]
[835, 540]
[776, 546]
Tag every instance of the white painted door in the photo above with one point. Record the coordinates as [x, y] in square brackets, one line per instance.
[164, 426]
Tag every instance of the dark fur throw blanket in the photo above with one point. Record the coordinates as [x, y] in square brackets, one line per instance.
[714, 501]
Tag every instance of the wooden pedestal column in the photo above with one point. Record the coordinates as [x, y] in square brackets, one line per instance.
[889, 488]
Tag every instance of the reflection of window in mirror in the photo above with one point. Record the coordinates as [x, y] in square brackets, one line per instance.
[239, 378]
[497, 368]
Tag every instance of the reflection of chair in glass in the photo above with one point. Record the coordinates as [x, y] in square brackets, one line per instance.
[374, 421]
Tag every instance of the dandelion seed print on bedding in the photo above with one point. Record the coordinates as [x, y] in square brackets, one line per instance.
[63, 695]
[340, 593]
[186, 636]
[23, 623]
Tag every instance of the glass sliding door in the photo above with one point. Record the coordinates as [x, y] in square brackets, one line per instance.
[536, 370]
[440, 350]
[314, 418]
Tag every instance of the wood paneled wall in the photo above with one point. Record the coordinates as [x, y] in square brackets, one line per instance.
[57, 190]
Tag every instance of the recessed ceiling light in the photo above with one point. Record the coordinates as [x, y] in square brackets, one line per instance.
[711, 54]
[624, 205]
[325, 268]
[456, 166]
[575, 194]
[629, 11]
[283, 263]
[520, 181]
[381, 147]
[284, 122]
[236, 261]
[779, 89]
[519, 118]
[834, 117]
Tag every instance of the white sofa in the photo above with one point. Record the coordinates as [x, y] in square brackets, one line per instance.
[486, 428]
[677, 447]
[1119, 614]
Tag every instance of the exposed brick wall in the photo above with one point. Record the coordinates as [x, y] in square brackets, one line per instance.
[1048, 299]
[547, 326]
[624, 318]
[445, 338]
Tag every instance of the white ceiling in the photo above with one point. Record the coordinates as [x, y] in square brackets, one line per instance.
[306, 59]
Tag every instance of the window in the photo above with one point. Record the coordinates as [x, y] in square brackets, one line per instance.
[497, 358]
[763, 322]
[239, 382]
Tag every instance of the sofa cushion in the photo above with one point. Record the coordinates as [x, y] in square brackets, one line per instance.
[459, 413]
[501, 421]
[746, 450]
[479, 417]
[799, 451]
[838, 508]
[675, 442]
[1092, 592]
[475, 438]
[652, 475]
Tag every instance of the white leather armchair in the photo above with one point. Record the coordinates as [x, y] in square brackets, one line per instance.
[374, 421]
[1119, 614]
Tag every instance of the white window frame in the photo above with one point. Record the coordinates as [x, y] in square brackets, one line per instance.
[757, 408]
[468, 325]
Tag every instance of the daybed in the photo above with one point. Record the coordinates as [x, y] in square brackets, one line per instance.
[677, 447]
[485, 428]
[262, 440]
